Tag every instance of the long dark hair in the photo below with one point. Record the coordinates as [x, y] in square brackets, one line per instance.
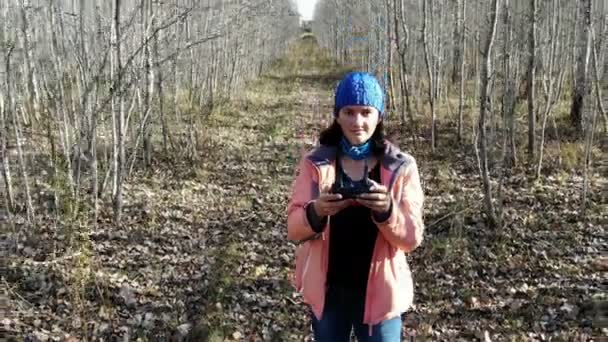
[332, 135]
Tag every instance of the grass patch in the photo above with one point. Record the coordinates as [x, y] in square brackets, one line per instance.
[448, 247]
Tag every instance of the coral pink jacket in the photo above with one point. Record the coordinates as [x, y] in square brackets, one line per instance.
[390, 288]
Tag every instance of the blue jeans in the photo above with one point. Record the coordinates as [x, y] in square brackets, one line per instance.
[343, 312]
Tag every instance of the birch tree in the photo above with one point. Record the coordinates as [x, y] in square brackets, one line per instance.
[4, 112]
[486, 71]
[16, 123]
[531, 81]
[402, 39]
[583, 51]
[591, 128]
[461, 59]
[429, 59]
[552, 80]
[510, 78]
[117, 114]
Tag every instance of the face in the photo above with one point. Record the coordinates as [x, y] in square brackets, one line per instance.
[358, 123]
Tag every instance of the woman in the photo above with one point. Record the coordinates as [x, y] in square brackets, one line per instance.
[350, 264]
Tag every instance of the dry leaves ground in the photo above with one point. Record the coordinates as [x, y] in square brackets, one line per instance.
[202, 252]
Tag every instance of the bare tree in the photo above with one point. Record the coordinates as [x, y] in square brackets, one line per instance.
[583, 51]
[33, 97]
[509, 98]
[457, 56]
[117, 114]
[390, 39]
[429, 60]
[5, 101]
[531, 81]
[18, 139]
[65, 132]
[486, 71]
[148, 81]
[461, 59]
[552, 89]
[403, 44]
[591, 128]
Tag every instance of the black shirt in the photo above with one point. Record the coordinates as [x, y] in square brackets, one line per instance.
[351, 245]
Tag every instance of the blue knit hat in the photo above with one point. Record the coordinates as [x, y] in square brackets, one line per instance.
[359, 89]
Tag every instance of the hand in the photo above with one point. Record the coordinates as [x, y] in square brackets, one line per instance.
[378, 199]
[329, 204]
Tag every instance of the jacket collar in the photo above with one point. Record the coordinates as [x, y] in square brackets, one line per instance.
[393, 158]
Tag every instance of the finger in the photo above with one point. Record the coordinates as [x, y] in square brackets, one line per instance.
[340, 204]
[373, 196]
[372, 204]
[330, 197]
[326, 189]
[334, 207]
[333, 211]
[365, 202]
[345, 203]
[377, 187]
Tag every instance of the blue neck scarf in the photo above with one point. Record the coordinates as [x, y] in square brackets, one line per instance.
[356, 152]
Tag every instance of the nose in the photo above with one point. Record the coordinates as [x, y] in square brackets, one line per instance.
[358, 119]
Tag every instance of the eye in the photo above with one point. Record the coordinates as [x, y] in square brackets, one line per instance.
[366, 112]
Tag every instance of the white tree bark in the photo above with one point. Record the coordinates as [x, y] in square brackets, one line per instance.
[583, 52]
[531, 81]
[430, 66]
[554, 86]
[462, 60]
[18, 140]
[510, 84]
[5, 101]
[591, 129]
[117, 114]
[486, 71]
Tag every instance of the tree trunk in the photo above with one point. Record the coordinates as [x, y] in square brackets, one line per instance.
[63, 105]
[390, 84]
[486, 71]
[509, 95]
[161, 96]
[531, 81]
[5, 104]
[149, 83]
[436, 37]
[117, 115]
[462, 59]
[176, 78]
[430, 70]
[583, 49]
[33, 96]
[402, 49]
[17, 132]
[86, 109]
[458, 52]
[591, 129]
[553, 89]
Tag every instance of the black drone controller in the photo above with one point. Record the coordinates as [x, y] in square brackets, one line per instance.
[349, 188]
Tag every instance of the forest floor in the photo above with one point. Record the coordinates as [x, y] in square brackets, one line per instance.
[202, 252]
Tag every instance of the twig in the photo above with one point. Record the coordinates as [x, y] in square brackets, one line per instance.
[55, 261]
[10, 291]
[448, 215]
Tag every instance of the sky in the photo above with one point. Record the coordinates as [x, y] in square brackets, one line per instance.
[306, 8]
